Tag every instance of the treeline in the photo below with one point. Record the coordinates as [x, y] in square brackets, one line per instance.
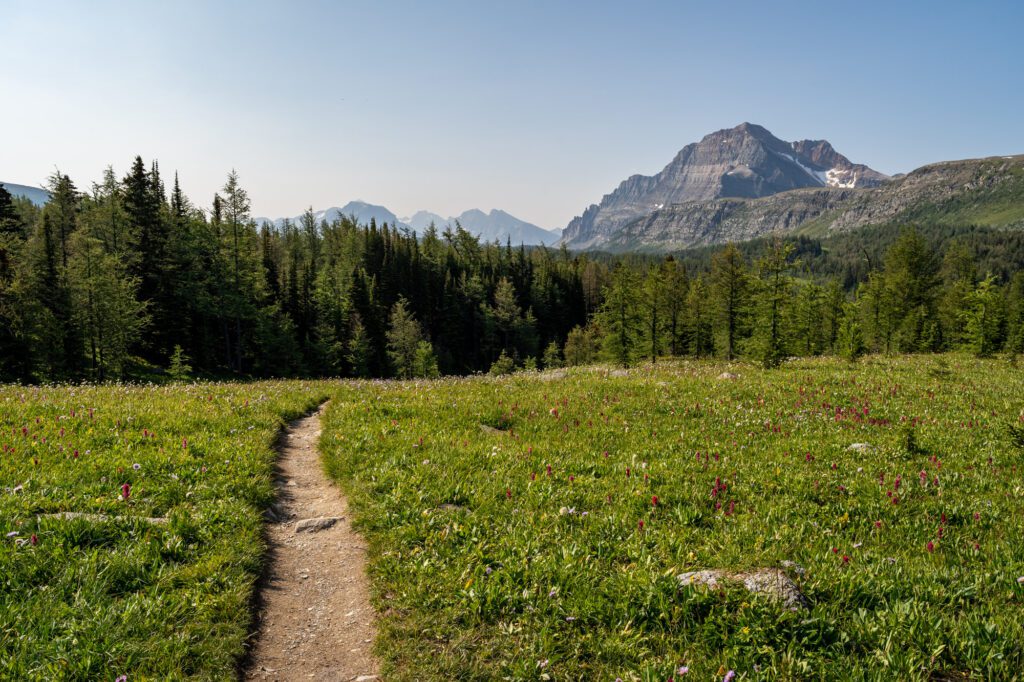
[129, 279]
[916, 299]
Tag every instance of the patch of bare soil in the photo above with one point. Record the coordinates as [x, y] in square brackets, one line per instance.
[314, 616]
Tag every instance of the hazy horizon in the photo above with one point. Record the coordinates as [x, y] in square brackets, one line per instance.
[534, 109]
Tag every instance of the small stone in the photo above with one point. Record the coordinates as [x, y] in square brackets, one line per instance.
[367, 678]
[792, 566]
[316, 524]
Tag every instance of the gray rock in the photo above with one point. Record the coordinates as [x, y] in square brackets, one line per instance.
[728, 376]
[316, 524]
[770, 582]
[792, 566]
[861, 447]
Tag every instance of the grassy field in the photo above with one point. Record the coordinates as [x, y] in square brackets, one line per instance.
[93, 598]
[534, 527]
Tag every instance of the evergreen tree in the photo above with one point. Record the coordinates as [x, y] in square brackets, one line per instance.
[552, 356]
[730, 294]
[404, 337]
[699, 309]
[982, 318]
[580, 346]
[620, 317]
[772, 297]
[105, 307]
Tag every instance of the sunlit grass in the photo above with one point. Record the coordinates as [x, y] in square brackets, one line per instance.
[520, 554]
[91, 599]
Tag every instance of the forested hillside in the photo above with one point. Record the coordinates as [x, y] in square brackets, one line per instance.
[130, 280]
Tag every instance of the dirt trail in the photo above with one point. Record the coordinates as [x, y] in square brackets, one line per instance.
[315, 620]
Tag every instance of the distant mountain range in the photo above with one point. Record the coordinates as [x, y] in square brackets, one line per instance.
[36, 195]
[496, 225]
[743, 183]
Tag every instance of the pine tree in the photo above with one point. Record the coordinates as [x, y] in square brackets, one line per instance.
[552, 358]
[850, 341]
[699, 310]
[730, 293]
[105, 307]
[772, 297]
[404, 337]
[620, 317]
[982, 318]
[580, 346]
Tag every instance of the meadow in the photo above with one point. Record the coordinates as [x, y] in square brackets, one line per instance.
[156, 580]
[534, 526]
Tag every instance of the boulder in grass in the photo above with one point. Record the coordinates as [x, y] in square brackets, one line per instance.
[728, 376]
[770, 582]
[861, 447]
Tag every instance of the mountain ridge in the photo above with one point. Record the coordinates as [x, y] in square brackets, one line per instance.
[746, 161]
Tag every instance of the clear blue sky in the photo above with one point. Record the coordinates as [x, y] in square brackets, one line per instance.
[537, 108]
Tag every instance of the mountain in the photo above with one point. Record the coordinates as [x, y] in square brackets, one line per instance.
[742, 162]
[496, 225]
[986, 192]
[36, 195]
[421, 220]
[488, 226]
[362, 211]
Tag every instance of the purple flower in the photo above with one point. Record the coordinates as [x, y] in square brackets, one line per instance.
[136, 466]
[683, 670]
[729, 676]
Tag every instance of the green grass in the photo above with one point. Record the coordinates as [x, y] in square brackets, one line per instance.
[92, 600]
[485, 567]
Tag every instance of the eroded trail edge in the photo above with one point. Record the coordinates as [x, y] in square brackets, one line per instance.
[314, 616]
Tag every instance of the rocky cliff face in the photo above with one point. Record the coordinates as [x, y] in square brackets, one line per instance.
[742, 162]
[977, 191]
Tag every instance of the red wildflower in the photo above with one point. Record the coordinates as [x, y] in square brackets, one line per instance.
[654, 500]
[126, 491]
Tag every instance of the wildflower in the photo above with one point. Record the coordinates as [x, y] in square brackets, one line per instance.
[508, 493]
[930, 546]
[34, 540]
[12, 534]
[641, 526]
[654, 500]
[846, 559]
[136, 466]
[683, 670]
[126, 491]
[729, 676]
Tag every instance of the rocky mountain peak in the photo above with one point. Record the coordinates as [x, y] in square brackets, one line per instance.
[746, 161]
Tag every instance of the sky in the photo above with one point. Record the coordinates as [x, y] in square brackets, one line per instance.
[536, 108]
